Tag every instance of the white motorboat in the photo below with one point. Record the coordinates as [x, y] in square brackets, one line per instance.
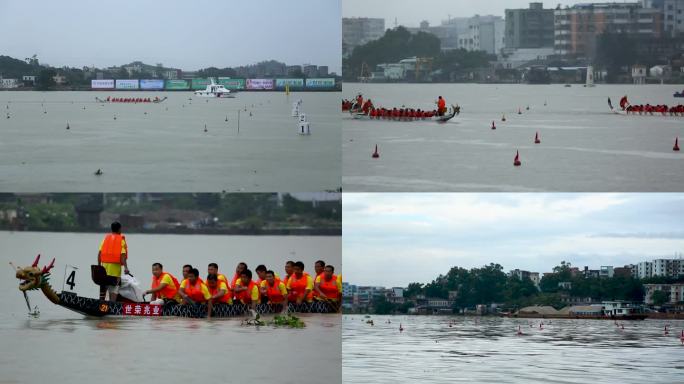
[215, 90]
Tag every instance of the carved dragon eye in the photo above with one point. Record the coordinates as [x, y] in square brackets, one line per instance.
[30, 274]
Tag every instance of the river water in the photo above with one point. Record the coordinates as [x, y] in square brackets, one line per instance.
[584, 147]
[163, 147]
[488, 350]
[64, 346]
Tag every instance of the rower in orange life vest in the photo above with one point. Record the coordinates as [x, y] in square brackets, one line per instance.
[328, 286]
[246, 290]
[186, 270]
[220, 293]
[112, 255]
[319, 268]
[261, 274]
[164, 285]
[300, 285]
[242, 266]
[359, 101]
[273, 290]
[212, 269]
[194, 291]
[441, 106]
[367, 106]
[289, 266]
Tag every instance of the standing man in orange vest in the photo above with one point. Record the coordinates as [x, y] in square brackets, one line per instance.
[441, 106]
[112, 255]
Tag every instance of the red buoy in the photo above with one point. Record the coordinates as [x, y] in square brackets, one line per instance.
[376, 154]
[536, 138]
[681, 338]
[676, 146]
[519, 331]
[493, 125]
[401, 328]
[519, 111]
[516, 161]
[666, 331]
[503, 117]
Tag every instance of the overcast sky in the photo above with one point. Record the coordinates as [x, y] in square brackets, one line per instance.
[412, 12]
[184, 34]
[393, 239]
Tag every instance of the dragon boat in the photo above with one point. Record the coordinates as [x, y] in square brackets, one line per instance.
[35, 278]
[452, 112]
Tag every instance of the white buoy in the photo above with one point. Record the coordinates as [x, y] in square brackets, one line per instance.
[304, 127]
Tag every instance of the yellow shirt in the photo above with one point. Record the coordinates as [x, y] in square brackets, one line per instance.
[255, 290]
[205, 290]
[281, 287]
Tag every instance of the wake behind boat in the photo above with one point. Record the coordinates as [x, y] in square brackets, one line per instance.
[129, 301]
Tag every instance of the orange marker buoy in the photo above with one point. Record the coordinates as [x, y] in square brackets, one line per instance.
[519, 111]
[493, 125]
[516, 161]
[676, 146]
[376, 154]
[536, 138]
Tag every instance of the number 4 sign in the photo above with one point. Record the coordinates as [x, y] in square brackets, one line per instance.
[69, 278]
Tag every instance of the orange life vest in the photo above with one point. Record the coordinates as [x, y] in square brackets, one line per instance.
[111, 248]
[235, 278]
[314, 293]
[329, 287]
[246, 295]
[441, 104]
[273, 292]
[167, 292]
[223, 299]
[194, 291]
[298, 287]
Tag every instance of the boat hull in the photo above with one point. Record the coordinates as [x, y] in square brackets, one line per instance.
[357, 115]
[215, 95]
[99, 308]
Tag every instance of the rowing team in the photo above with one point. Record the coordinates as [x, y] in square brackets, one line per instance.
[297, 287]
[651, 109]
[400, 113]
[131, 99]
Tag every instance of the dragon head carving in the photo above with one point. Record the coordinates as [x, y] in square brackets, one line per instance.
[33, 277]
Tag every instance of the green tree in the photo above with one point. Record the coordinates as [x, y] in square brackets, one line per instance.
[660, 298]
[381, 306]
[45, 80]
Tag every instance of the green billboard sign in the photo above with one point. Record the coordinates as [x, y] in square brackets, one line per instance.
[200, 83]
[177, 85]
[232, 83]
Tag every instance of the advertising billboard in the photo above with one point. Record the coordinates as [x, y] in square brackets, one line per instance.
[152, 84]
[320, 83]
[293, 83]
[101, 84]
[200, 83]
[232, 83]
[127, 84]
[177, 84]
[259, 83]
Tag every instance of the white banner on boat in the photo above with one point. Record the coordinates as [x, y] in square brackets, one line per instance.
[69, 282]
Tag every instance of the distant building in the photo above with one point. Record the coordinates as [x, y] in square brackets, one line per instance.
[172, 74]
[577, 28]
[673, 17]
[28, 80]
[590, 273]
[322, 70]
[520, 274]
[59, 79]
[310, 70]
[675, 292]
[565, 285]
[360, 30]
[529, 28]
[477, 33]
[625, 271]
[606, 271]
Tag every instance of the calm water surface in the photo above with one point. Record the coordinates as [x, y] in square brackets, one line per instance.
[488, 350]
[64, 346]
[584, 147]
[163, 147]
